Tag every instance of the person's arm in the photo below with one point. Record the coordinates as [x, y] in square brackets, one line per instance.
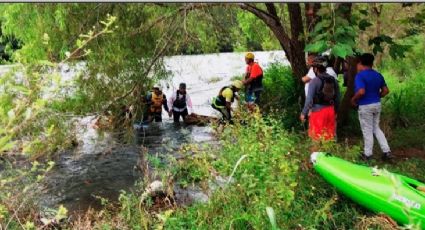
[228, 94]
[384, 91]
[360, 86]
[171, 101]
[359, 94]
[189, 103]
[305, 79]
[164, 103]
[309, 76]
[148, 99]
[248, 81]
[309, 100]
[384, 88]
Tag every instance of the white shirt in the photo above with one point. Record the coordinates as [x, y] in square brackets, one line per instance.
[312, 75]
[188, 103]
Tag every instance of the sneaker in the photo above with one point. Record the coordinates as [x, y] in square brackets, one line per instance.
[364, 157]
[387, 156]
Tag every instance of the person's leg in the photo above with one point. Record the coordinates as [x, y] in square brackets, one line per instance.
[257, 95]
[221, 112]
[380, 136]
[158, 116]
[249, 99]
[184, 114]
[329, 126]
[315, 125]
[366, 124]
[176, 116]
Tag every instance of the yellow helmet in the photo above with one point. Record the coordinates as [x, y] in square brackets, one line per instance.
[249, 55]
[237, 84]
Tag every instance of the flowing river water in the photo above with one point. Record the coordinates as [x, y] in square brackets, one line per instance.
[102, 164]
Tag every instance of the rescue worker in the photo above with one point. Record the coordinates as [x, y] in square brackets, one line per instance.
[225, 98]
[253, 80]
[180, 102]
[155, 100]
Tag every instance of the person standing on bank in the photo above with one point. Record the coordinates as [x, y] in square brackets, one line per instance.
[253, 80]
[323, 100]
[370, 87]
[180, 102]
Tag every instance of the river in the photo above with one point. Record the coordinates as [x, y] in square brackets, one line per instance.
[103, 165]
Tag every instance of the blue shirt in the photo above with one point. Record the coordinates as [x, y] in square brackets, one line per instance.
[372, 82]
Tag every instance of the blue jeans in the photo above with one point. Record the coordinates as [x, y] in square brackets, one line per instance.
[253, 97]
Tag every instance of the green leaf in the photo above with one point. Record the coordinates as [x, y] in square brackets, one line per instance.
[272, 217]
[363, 24]
[342, 50]
[397, 50]
[377, 48]
[387, 39]
[364, 12]
[316, 47]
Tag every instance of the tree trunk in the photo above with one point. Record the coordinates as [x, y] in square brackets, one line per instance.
[377, 10]
[293, 45]
[297, 42]
[345, 105]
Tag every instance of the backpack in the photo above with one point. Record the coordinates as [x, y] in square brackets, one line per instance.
[326, 95]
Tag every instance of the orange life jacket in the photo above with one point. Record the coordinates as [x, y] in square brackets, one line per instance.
[157, 100]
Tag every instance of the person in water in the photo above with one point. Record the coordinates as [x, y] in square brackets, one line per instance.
[155, 100]
[226, 96]
[180, 102]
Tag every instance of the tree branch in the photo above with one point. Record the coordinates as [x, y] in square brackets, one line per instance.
[182, 10]
[272, 21]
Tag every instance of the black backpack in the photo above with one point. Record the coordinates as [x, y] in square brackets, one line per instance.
[326, 95]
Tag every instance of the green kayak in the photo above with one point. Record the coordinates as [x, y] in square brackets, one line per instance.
[397, 196]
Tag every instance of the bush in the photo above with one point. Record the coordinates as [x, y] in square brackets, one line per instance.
[260, 158]
[280, 98]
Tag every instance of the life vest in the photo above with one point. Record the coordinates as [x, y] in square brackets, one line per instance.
[257, 83]
[221, 100]
[180, 102]
[157, 101]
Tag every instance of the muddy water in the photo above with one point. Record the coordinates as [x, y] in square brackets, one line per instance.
[102, 165]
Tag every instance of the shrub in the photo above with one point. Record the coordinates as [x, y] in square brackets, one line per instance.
[260, 158]
[281, 97]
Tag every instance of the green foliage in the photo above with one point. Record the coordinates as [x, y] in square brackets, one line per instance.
[404, 106]
[265, 178]
[334, 31]
[279, 97]
[193, 169]
[257, 35]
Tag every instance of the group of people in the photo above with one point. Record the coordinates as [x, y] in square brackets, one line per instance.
[178, 105]
[253, 82]
[323, 96]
